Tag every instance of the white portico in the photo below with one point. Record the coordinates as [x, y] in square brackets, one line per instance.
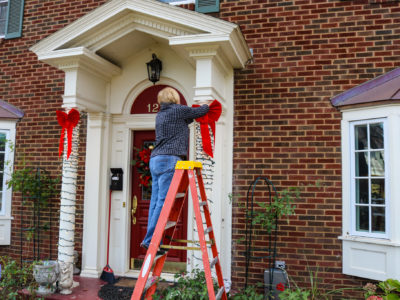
[104, 55]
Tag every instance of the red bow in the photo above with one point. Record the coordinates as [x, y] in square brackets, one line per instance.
[209, 120]
[67, 121]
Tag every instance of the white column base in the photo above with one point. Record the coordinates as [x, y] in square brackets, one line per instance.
[90, 273]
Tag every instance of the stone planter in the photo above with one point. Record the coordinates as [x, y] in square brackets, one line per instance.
[46, 275]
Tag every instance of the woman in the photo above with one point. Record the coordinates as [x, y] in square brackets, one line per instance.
[172, 142]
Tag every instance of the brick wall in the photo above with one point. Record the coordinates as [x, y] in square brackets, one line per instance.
[37, 89]
[305, 52]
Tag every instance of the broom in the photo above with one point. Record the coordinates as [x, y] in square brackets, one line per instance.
[108, 273]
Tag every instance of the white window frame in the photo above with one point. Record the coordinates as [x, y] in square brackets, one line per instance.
[5, 172]
[352, 150]
[372, 256]
[8, 126]
[5, 25]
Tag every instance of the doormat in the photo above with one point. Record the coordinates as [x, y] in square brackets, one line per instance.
[122, 289]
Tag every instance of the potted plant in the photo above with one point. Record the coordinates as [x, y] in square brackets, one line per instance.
[46, 273]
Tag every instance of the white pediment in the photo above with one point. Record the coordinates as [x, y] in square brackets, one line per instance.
[120, 28]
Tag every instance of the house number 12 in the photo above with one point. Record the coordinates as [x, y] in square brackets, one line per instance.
[153, 107]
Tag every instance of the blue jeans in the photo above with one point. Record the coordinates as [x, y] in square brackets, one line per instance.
[162, 168]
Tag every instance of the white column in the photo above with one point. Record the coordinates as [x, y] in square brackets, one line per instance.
[96, 196]
[66, 240]
[214, 80]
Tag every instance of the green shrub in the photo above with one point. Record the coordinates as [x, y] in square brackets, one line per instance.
[187, 286]
[193, 286]
[250, 293]
[386, 290]
[15, 278]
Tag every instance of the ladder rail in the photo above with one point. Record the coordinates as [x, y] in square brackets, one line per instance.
[201, 233]
[211, 235]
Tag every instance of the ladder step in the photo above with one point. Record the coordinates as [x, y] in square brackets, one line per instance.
[213, 262]
[203, 203]
[180, 195]
[188, 241]
[220, 292]
[180, 247]
[170, 224]
[150, 281]
[208, 230]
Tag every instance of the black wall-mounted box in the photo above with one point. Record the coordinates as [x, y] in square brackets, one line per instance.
[116, 179]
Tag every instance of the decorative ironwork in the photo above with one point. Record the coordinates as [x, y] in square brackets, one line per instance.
[272, 235]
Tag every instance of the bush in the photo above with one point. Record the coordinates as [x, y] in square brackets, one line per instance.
[187, 286]
[249, 293]
[386, 290]
[15, 278]
[194, 287]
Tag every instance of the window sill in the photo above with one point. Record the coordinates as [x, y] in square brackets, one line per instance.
[5, 230]
[369, 240]
[371, 258]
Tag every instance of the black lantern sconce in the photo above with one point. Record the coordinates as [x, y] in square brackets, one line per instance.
[154, 68]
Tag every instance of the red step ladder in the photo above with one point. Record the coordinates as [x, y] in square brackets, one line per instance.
[185, 175]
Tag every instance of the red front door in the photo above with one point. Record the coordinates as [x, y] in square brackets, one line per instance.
[140, 202]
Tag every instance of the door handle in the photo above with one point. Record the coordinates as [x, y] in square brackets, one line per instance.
[133, 210]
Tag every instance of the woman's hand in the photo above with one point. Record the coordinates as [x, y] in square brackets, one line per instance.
[208, 102]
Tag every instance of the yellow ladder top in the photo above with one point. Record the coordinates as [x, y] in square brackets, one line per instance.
[188, 165]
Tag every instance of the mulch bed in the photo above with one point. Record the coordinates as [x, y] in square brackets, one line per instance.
[122, 289]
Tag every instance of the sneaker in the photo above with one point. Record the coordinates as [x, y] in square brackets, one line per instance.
[160, 252]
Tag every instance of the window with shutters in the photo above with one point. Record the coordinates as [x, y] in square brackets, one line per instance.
[3, 16]
[11, 18]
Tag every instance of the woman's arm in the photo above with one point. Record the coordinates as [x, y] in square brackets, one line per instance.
[187, 112]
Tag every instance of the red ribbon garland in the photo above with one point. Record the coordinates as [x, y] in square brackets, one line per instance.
[67, 121]
[209, 120]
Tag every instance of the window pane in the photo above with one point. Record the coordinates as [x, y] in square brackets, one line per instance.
[369, 197]
[361, 137]
[378, 219]
[1, 162]
[377, 163]
[1, 182]
[362, 191]
[3, 140]
[378, 191]
[362, 217]
[361, 164]
[376, 136]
